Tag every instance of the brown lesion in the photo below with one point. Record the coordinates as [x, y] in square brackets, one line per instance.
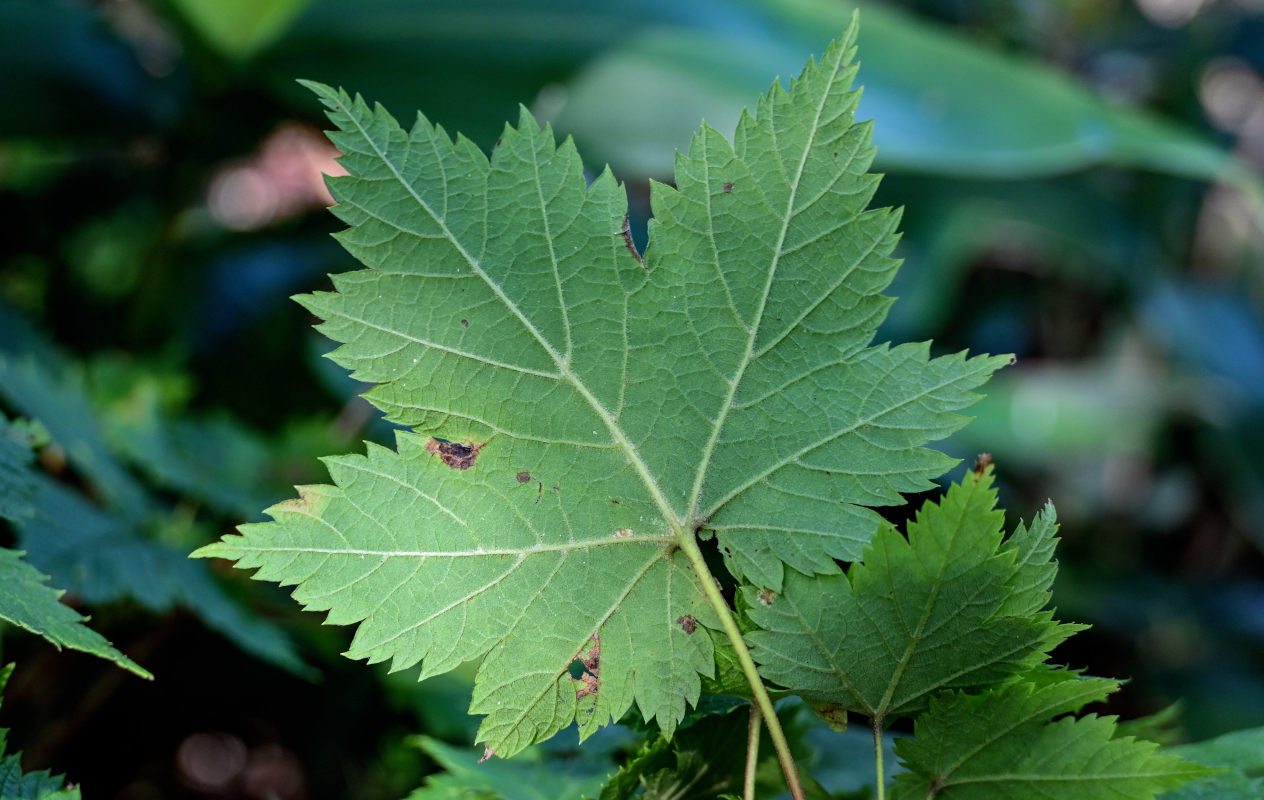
[588, 683]
[688, 624]
[982, 463]
[456, 455]
[626, 233]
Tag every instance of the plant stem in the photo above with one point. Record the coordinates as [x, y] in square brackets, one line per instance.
[712, 590]
[879, 773]
[752, 753]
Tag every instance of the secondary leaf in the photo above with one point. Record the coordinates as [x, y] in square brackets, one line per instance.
[17, 484]
[17, 785]
[27, 602]
[951, 606]
[102, 558]
[464, 777]
[1241, 753]
[577, 416]
[1001, 745]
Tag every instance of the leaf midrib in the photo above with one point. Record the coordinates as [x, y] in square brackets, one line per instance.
[704, 463]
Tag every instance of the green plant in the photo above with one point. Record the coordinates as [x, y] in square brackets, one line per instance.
[584, 423]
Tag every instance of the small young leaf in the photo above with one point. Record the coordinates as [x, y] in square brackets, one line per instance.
[578, 416]
[951, 606]
[1001, 746]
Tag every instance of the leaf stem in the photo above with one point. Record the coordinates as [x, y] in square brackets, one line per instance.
[879, 773]
[752, 753]
[762, 701]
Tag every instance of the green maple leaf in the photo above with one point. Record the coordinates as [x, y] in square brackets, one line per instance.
[1001, 745]
[952, 606]
[577, 417]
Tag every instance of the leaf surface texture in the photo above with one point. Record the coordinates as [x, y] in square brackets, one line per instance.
[574, 412]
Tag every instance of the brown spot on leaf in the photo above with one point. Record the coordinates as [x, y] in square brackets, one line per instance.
[834, 714]
[623, 533]
[766, 596]
[523, 477]
[688, 624]
[728, 186]
[981, 463]
[303, 504]
[465, 323]
[626, 233]
[454, 454]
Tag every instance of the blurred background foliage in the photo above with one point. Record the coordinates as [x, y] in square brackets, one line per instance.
[1081, 188]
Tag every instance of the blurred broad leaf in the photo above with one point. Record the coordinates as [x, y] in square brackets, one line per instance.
[17, 482]
[240, 28]
[103, 552]
[1241, 753]
[103, 557]
[942, 103]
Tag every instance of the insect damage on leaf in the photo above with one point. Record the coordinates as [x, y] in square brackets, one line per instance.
[626, 233]
[456, 454]
[588, 682]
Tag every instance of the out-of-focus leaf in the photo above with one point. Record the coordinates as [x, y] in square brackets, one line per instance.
[1242, 752]
[239, 28]
[436, 55]
[27, 602]
[942, 103]
[60, 403]
[215, 459]
[519, 779]
[101, 557]
[1037, 412]
[17, 483]
[1214, 331]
